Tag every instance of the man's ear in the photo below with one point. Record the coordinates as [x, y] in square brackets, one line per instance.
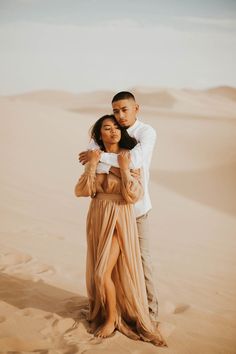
[137, 107]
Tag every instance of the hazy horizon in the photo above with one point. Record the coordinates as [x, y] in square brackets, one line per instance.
[80, 46]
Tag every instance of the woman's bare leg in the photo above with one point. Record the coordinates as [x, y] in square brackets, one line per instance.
[109, 326]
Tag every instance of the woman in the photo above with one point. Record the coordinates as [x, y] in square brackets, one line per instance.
[114, 273]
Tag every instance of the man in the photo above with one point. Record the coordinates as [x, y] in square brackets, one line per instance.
[125, 110]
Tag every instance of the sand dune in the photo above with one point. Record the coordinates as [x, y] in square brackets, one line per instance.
[192, 233]
[225, 91]
[214, 186]
[215, 102]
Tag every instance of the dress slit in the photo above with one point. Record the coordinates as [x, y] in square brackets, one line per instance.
[111, 211]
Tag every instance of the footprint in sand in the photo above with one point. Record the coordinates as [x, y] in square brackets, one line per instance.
[12, 259]
[48, 316]
[181, 308]
[64, 325]
[170, 307]
[42, 269]
[26, 312]
[79, 335]
[2, 319]
[58, 326]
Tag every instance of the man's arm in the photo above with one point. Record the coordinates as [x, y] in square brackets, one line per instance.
[83, 158]
[141, 152]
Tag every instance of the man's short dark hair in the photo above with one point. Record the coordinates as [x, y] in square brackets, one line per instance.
[123, 95]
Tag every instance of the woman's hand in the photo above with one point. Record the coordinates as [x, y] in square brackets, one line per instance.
[93, 156]
[124, 159]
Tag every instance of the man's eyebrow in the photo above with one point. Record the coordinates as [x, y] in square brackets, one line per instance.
[117, 109]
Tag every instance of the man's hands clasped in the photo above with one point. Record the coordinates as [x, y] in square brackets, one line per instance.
[123, 157]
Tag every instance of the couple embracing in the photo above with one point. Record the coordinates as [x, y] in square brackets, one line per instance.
[119, 279]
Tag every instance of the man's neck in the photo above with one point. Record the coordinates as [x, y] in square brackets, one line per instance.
[132, 124]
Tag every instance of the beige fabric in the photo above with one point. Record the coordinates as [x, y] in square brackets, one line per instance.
[111, 211]
[143, 235]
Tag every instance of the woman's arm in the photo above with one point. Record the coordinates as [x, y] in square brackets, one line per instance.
[86, 186]
[131, 187]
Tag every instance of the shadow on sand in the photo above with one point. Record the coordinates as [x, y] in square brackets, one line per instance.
[24, 294]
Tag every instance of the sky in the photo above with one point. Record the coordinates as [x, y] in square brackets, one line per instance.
[88, 45]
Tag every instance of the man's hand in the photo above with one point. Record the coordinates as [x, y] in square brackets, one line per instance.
[83, 157]
[94, 156]
[124, 159]
[90, 155]
[136, 174]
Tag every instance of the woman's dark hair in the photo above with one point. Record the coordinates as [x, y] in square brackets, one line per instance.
[126, 141]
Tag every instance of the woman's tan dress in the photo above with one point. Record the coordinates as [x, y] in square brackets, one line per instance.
[111, 211]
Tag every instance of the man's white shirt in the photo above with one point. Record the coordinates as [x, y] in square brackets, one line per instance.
[141, 156]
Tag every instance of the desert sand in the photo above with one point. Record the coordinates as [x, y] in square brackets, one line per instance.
[192, 223]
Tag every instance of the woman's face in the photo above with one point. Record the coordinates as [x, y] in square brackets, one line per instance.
[110, 133]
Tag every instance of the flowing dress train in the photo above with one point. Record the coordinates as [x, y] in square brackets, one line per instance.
[111, 212]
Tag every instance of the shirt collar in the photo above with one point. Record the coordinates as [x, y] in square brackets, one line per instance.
[130, 129]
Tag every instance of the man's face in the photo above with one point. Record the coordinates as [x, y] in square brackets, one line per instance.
[125, 112]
